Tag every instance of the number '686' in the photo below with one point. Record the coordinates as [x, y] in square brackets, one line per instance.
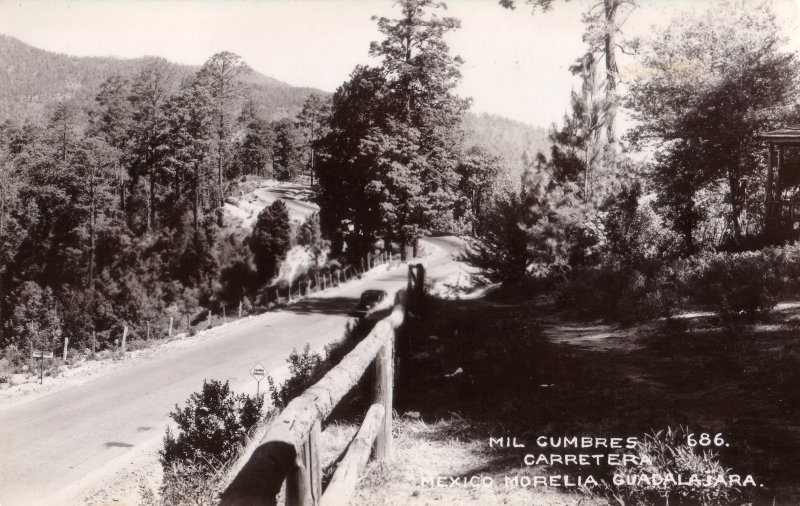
[705, 439]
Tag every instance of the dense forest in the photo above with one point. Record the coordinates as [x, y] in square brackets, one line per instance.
[111, 212]
[113, 185]
[115, 174]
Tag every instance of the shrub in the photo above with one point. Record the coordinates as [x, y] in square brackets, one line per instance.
[211, 428]
[735, 284]
[668, 453]
[304, 369]
[619, 292]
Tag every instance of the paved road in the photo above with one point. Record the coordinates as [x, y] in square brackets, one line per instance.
[50, 442]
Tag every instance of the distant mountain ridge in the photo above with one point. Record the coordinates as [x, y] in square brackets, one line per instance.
[32, 79]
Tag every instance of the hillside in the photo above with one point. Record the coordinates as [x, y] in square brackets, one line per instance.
[32, 79]
[511, 140]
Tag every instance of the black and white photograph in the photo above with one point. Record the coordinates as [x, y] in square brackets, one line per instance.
[399, 252]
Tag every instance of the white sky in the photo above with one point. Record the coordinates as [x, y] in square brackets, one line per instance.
[516, 63]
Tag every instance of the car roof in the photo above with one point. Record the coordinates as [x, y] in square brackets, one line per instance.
[373, 292]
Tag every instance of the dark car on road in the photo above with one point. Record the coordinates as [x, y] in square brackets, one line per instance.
[369, 299]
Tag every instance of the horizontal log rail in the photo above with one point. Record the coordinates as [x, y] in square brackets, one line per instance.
[289, 450]
[343, 483]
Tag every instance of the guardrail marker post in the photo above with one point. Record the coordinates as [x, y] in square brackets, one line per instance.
[384, 391]
[209, 319]
[124, 338]
[66, 345]
[240, 309]
[169, 334]
[148, 330]
[94, 343]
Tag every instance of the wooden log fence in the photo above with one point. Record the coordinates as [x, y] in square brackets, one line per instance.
[290, 448]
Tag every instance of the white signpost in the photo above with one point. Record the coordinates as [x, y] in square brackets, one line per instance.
[259, 372]
[41, 355]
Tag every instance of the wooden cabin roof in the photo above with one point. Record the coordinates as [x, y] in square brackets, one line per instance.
[789, 134]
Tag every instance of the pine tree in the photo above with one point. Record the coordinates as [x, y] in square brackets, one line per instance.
[286, 151]
[254, 150]
[149, 92]
[221, 74]
[189, 137]
[312, 122]
[604, 22]
[421, 77]
[349, 214]
[271, 238]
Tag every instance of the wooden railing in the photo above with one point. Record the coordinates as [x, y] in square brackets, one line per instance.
[290, 448]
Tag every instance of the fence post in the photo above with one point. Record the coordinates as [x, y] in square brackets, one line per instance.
[94, 343]
[420, 292]
[383, 394]
[224, 315]
[297, 484]
[240, 309]
[148, 330]
[66, 345]
[313, 463]
[171, 318]
[124, 338]
[209, 319]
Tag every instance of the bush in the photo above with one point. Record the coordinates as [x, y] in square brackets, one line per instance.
[211, 428]
[734, 285]
[304, 369]
[620, 292]
[669, 454]
[739, 284]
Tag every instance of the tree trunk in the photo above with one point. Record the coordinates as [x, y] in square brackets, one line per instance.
[736, 210]
[151, 208]
[196, 207]
[2, 298]
[611, 70]
[91, 242]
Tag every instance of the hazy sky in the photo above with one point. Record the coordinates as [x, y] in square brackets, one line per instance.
[516, 63]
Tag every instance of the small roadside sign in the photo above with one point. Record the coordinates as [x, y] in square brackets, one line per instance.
[259, 372]
[41, 355]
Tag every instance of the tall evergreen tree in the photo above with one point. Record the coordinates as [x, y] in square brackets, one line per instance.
[604, 24]
[222, 74]
[109, 121]
[271, 238]
[149, 92]
[190, 133]
[287, 151]
[312, 122]
[421, 77]
[349, 214]
[254, 150]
